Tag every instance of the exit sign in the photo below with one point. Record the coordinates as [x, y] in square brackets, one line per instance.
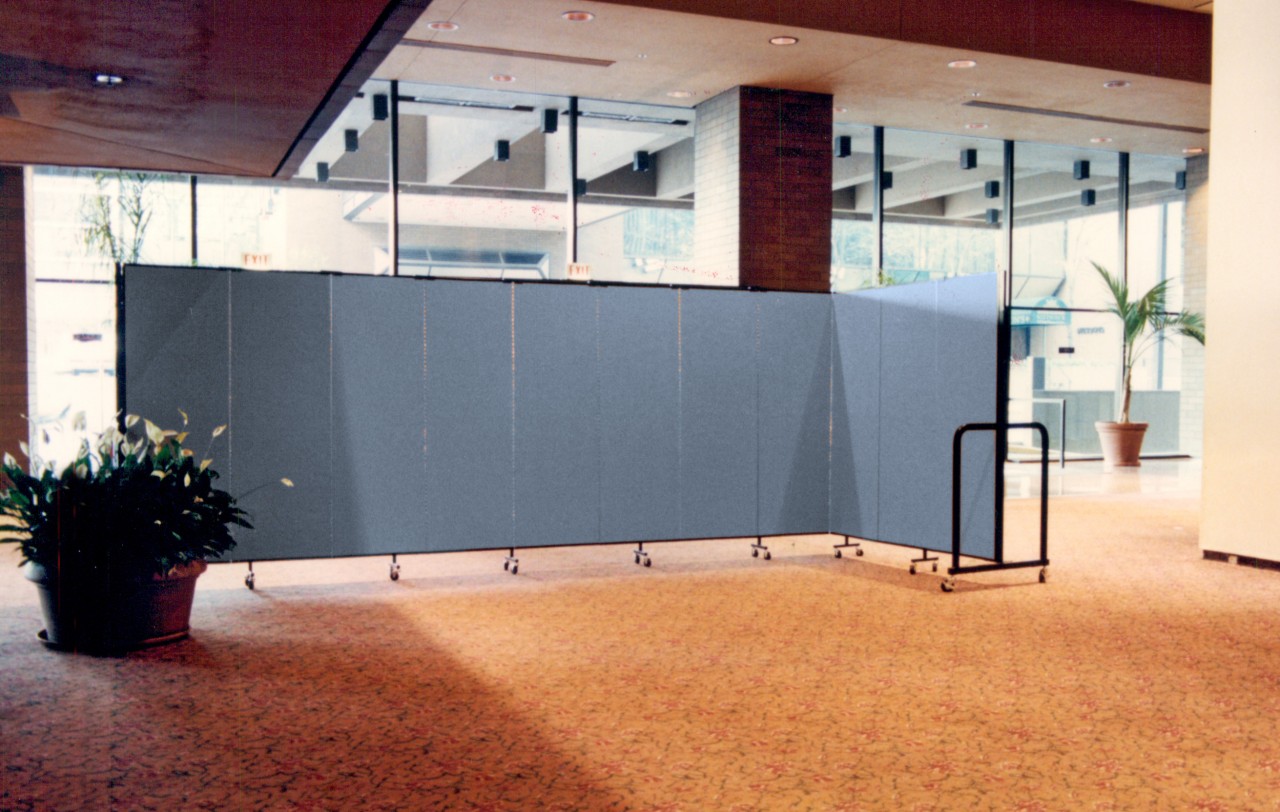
[579, 272]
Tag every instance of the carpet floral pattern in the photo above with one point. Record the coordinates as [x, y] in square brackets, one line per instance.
[1139, 677]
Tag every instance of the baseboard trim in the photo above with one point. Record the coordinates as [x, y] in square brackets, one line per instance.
[1242, 560]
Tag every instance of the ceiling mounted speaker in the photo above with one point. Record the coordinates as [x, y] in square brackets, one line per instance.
[886, 180]
[1180, 181]
[968, 159]
[641, 162]
[501, 150]
[844, 146]
[579, 187]
[991, 189]
[381, 108]
[351, 140]
[1081, 170]
[993, 217]
[322, 172]
[1088, 197]
[550, 121]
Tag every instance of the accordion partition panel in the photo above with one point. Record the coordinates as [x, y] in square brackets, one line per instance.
[435, 415]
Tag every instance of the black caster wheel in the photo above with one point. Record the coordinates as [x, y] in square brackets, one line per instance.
[755, 553]
[637, 559]
[948, 586]
[935, 566]
[515, 568]
[248, 580]
[506, 565]
[1044, 576]
[768, 556]
[859, 552]
[838, 554]
[912, 569]
[648, 562]
[395, 575]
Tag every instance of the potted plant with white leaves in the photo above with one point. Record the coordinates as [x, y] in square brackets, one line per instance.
[115, 540]
[1144, 323]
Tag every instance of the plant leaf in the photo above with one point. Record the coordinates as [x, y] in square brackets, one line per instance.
[205, 464]
[288, 483]
[184, 416]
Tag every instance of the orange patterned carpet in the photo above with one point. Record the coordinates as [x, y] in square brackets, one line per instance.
[1139, 677]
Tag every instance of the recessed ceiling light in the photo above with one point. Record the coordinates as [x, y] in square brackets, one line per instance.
[973, 94]
[108, 79]
[502, 77]
[783, 40]
[962, 63]
[642, 56]
[1100, 139]
[842, 109]
[1193, 151]
[679, 94]
[443, 25]
[578, 16]
[975, 125]
[1116, 84]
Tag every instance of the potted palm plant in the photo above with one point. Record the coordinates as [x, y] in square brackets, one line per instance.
[115, 540]
[1144, 323]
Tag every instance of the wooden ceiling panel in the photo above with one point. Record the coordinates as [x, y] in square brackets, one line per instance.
[209, 85]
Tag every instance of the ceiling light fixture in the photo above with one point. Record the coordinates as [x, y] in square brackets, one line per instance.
[679, 94]
[975, 125]
[962, 64]
[503, 78]
[1117, 84]
[443, 25]
[1100, 139]
[108, 79]
[783, 40]
[1193, 151]
[578, 16]
[842, 109]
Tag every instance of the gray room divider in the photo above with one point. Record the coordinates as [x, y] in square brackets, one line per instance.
[434, 415]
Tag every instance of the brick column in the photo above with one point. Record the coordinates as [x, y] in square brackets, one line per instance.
[1195, 252]
[13, 310]
[763, 188]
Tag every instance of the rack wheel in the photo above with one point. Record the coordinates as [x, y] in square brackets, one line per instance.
[838, 555]
[912, 569]
[1044, 575]
[755, 553]
[637, 559]
[858, 552]
[506, 565]
[395, 572]
[648, 562]
[768, 556]
[949, 585]
[515, 568]
[248, 580]
[935, 566]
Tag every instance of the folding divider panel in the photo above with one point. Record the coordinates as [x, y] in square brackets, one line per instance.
[639, 415]
[915, 461]
[855, 408]
[718, 413]
[936, 374]
[281, 414]
[557, 434]
[967, 352]
[380, 480]
[469, 406]
[794, 366]
[173, 313]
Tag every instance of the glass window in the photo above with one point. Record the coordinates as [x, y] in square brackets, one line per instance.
[941, 216]
[852, 234]
[483, 184]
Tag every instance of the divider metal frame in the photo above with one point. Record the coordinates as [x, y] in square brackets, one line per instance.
[999, 564]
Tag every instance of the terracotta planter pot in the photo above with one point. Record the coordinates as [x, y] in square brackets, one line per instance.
[91, 612]
[1121, 443]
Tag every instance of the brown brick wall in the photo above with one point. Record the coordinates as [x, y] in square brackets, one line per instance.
[13, 310]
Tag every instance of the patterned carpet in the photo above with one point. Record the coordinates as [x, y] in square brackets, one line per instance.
[1139, 677]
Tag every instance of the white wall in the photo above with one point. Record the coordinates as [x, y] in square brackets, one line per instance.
[1241, 486]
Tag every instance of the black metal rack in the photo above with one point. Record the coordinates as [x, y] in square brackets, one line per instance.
[999, 564]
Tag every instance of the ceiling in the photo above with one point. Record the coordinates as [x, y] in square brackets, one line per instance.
[247, 88]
